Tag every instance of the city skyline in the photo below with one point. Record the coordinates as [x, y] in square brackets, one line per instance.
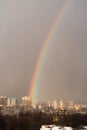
[24, 26]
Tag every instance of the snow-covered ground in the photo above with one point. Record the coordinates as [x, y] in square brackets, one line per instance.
[53, 127]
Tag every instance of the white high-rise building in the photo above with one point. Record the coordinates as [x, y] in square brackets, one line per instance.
[55, 104]
[26, 101]
[11, 102]
[62, 105]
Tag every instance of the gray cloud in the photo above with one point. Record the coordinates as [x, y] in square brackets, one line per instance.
[23, 28]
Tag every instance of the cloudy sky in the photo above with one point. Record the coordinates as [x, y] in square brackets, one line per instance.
[24, 24]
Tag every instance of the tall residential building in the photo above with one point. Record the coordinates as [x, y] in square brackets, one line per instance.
[3, 101]
[11, 102]
[62, 105]
[55, 104]
[26, 101]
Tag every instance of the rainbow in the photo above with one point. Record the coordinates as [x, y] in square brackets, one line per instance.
[45, 45]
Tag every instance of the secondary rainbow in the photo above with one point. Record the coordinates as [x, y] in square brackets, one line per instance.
[45, 45]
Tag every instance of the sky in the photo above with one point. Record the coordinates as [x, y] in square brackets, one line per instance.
[24, 26]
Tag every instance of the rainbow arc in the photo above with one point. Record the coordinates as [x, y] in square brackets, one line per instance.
[45, 45]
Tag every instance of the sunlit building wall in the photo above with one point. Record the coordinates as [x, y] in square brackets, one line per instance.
[3, 101]
[62, 104]
[11, 102]
[55, 104]
[26, 101]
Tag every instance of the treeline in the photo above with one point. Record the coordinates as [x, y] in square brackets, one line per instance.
[33, 121]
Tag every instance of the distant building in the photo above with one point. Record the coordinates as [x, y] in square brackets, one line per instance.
[55, 104]
[26, 101]
[49, 104]
[11, 102]
[77, 107]
[3, 101]
[62, 105]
